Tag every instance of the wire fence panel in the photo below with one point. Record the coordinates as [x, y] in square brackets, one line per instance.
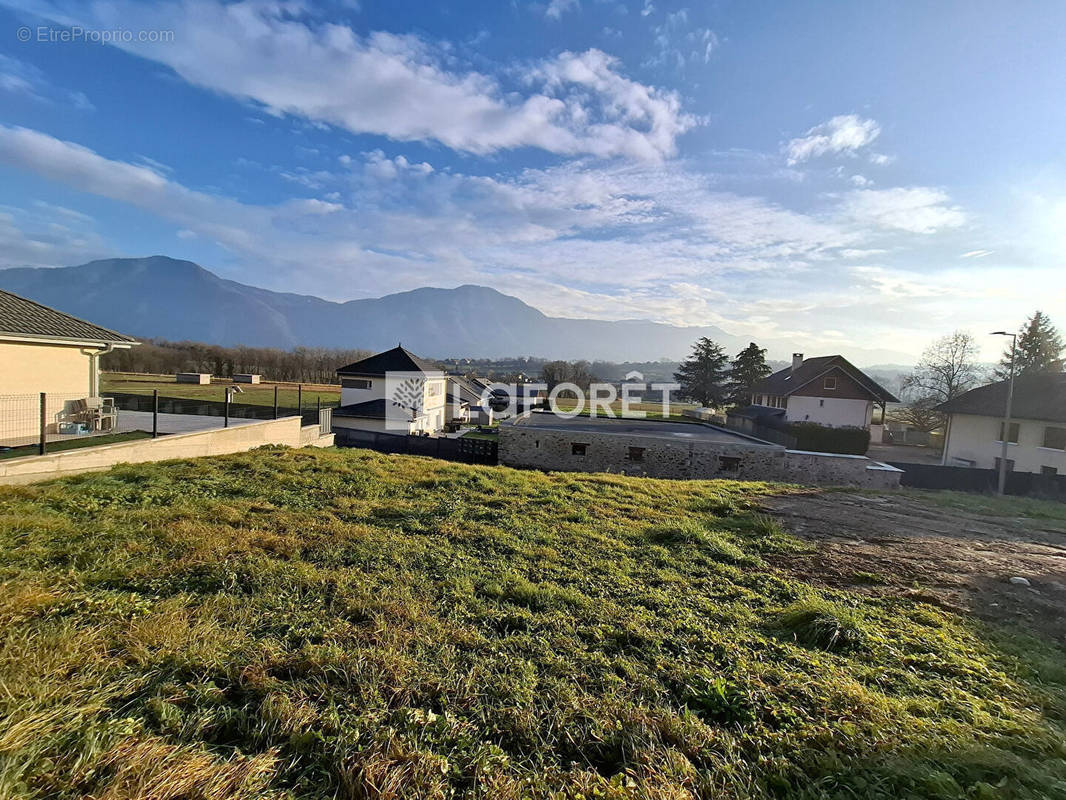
[28, 419]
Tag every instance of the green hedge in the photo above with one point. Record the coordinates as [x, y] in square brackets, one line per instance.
[822, 439]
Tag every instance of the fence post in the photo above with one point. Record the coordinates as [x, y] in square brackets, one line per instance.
[42, 445]
[225, 423]
[155, 413]
[318, 407]
[275, 401]
[300, 399]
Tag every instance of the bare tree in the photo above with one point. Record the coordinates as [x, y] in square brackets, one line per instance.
[921, 415]
[947, 369]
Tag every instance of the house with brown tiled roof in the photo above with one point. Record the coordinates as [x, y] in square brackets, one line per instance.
[827, 390]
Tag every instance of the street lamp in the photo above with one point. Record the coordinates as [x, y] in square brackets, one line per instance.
[1005, 435]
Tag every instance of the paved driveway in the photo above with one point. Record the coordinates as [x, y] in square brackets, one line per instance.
[173, 423]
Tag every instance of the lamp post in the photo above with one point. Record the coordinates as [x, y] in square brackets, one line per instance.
[1005, 435]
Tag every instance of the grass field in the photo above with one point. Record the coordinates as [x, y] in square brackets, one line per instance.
[345, 624]
[260, 394]
[74, 444]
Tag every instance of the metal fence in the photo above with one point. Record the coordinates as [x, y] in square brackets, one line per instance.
[469, 451]
[30, 422]
[234, 408]
[970, 479]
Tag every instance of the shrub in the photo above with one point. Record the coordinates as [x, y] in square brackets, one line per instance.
[820, 624]
[823, 439]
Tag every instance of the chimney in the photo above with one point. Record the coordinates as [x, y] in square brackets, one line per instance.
[797, 362]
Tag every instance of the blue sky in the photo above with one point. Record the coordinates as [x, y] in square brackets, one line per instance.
[838, 175]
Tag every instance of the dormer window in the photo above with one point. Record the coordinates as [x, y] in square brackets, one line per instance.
[830, 383]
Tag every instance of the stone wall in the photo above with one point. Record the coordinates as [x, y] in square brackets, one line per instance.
[670, 457]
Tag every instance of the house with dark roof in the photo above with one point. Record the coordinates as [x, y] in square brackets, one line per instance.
[827, 390]
[1036, 436]
[45, 350]
[392, 392]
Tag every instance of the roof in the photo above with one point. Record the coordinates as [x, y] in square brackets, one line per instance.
[785, 381]
[1040, 397]
[22, 317]
[395, 360]
[373, 409]
[467, 391]
[665, 429]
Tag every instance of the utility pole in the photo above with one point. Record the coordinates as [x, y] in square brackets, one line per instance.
[1005, 435]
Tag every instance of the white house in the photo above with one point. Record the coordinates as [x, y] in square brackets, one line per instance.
[827, 390]
[1036, 439]
[392, 392]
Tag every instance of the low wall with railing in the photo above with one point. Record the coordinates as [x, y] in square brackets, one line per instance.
[218, 441]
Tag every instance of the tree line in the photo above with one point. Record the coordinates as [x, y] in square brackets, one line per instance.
[302, 364]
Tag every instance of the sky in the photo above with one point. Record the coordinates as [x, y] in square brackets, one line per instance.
[837, 175]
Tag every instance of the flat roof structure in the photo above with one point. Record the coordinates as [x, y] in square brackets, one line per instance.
[665, 429]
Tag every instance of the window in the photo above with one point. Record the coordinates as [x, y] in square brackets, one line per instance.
[432, 389]
[728, 464]
[578, 449]
[1055, 438]
[1010, 464]
[635, 454]
[830, 383]
[1013, 433]
[355, 383]
[1049, 471]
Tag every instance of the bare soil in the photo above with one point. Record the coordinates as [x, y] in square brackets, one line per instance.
[894, 544]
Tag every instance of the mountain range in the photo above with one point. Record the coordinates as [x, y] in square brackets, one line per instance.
[166, 298]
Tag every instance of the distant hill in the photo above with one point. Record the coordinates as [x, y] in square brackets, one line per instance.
[166, 298]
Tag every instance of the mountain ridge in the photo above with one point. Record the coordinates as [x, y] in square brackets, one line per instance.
[166, 298]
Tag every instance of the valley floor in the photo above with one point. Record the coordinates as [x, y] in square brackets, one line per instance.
[321, 624]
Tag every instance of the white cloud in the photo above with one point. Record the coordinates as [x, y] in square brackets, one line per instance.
[619, 240]
[842, 134]
[18, 77]
[976, 254]
[679, 44]
[918, 209]
[556, 8]
[47, 235]
[403, 87]
[860, 180]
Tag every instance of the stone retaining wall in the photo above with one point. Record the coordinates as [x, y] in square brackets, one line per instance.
[669, 457]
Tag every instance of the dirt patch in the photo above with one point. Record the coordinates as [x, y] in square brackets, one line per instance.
[898, 545]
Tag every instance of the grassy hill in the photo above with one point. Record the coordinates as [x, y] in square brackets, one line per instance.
[320, 624]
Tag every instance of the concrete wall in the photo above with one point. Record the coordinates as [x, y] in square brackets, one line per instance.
[668, 457]
[836, 412]
[376, 425]
[182, 445]
[974, 439]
